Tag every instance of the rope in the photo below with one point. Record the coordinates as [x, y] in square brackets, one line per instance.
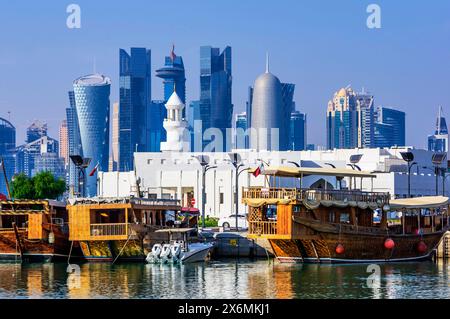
[121, 251]
[70, 253]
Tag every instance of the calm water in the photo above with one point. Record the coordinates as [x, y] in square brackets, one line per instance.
[224, 279]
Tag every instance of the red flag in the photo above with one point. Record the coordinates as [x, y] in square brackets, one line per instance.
[258, 170]
[94, 170]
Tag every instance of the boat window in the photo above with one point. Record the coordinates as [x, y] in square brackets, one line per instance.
[344, 218]
[332, 217]
[271, 212]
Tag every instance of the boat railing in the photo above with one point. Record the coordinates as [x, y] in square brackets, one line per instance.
[262, 228]
[314, 194]
[116, 229]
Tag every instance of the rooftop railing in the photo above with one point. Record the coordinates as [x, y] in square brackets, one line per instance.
[297, 194]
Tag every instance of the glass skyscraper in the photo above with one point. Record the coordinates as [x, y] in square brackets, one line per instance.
[173, 76]
[155, 131]
[297, 138]
[390, 127]
[216, 108]
[242, 138]
[93, 111]
[7, 150]
[74, 142]
[135, 99]
[438, 142]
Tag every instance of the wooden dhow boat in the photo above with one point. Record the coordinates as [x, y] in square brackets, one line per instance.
[338, 226]
[33, 230]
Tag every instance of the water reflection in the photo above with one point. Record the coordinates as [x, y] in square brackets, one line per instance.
[228, 279]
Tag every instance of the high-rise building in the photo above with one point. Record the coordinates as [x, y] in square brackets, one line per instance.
[366, 118]
[74, 142]
[7, 151]
[155, 130]
[193, 116]
[27, 154]
[173, 76]
[242, 138]
[438, 142]
[50, 162]
[268, 131]
[297, 138]
[36, 130]
[248, 106]
[135, 98]
[64, 142]
[342, 120]
[389, 127]
[114, 139]
[216, 108]
[93, 111]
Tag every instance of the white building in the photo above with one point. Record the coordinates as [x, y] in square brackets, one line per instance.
[177, 174]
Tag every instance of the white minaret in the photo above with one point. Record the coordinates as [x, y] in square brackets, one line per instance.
[175, 126]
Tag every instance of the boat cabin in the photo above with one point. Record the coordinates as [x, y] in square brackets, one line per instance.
[272, 209]
[105, 219]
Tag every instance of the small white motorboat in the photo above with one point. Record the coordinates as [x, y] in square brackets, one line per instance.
[181, 251]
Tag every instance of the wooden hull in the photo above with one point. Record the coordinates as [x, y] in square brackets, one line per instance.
[319, 246]
[34, 250]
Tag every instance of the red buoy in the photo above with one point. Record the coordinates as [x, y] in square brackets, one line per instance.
[340, 249]
[422, 247]
[389, 243]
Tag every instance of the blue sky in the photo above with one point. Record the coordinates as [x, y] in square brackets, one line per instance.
[318, 45]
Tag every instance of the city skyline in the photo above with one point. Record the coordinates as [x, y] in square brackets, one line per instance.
[391, 68]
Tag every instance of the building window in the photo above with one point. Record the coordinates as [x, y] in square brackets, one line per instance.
[221, 198]
[149, 162]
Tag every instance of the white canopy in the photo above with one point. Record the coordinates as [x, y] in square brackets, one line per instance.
[419, 202]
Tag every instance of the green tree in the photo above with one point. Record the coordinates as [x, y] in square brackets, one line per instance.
[46, 186]
[42, 186]
[22, 187]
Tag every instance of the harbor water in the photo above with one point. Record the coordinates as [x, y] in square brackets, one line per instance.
[226, 279]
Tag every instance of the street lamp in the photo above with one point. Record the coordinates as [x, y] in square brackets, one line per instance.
[81, 164]
[437, 160]
[236, 161]
[204, 162]
[408, 157]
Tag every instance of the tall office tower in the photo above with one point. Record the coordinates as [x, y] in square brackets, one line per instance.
[93, 111]
[73, 130]
[287, 94]
[438, 142]
[268, 114]
[366, 118]
[389, 128]
[193, 116]
[216, 108]
[64, 142]
[7, 152]
[241, 135]
[35, 131]
[155, 131]
[27, 154]
[342, 120]
[50, 162]
[135, 97]
[248, 106]
[297, 138]
[113, 163]
[173, 76]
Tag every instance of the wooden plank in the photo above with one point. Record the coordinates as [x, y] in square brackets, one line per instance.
[35, 226]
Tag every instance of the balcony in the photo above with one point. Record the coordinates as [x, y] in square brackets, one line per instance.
[110, 230]
[316, 195]
[262, 228]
